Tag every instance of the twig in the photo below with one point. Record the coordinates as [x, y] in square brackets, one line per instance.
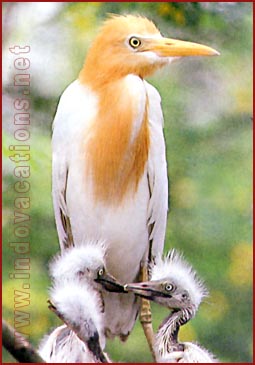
[18, 346]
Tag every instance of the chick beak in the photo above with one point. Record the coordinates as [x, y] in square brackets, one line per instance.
[167, 47]
[109, 283]
[146, 289]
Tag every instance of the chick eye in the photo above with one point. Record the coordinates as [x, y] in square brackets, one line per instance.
[185, 296]
[134, 42]
[100, 272]
[169, 287]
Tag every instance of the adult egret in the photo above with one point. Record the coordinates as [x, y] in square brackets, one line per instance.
[75, 296]
[109, 165]
[175, 285]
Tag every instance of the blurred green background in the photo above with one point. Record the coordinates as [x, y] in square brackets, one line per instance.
[207, 105]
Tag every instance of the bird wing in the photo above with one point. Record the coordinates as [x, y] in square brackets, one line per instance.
[72, 112]
[59, 182]
[157, 176]
[59, 185]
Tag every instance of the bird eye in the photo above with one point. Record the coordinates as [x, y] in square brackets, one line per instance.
[169, 287]
[134, 42]
[100, 272]
[185, 296]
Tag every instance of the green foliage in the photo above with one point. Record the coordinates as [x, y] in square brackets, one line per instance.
[207, 110]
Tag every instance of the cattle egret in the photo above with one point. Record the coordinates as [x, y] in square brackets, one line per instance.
[109, 164]
[84, 263]
[76, 298]
[175, 285]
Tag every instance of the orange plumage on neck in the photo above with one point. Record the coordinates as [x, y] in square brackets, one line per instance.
[115, 161]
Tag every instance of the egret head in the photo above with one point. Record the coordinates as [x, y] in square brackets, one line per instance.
[133, 44]
[84, 263]
[174, 284]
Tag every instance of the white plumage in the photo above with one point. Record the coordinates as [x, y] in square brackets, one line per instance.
[175, 284]
[80, 306]
[126, 226]
[109, 165]
[76, 296]
[173, 268]
[80, 263]
[192, 353]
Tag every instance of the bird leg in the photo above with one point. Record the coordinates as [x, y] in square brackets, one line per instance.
[145, 313]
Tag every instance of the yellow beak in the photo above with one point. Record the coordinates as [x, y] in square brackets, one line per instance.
[167, 47]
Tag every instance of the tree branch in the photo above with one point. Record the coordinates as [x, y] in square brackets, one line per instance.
[18, 346]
